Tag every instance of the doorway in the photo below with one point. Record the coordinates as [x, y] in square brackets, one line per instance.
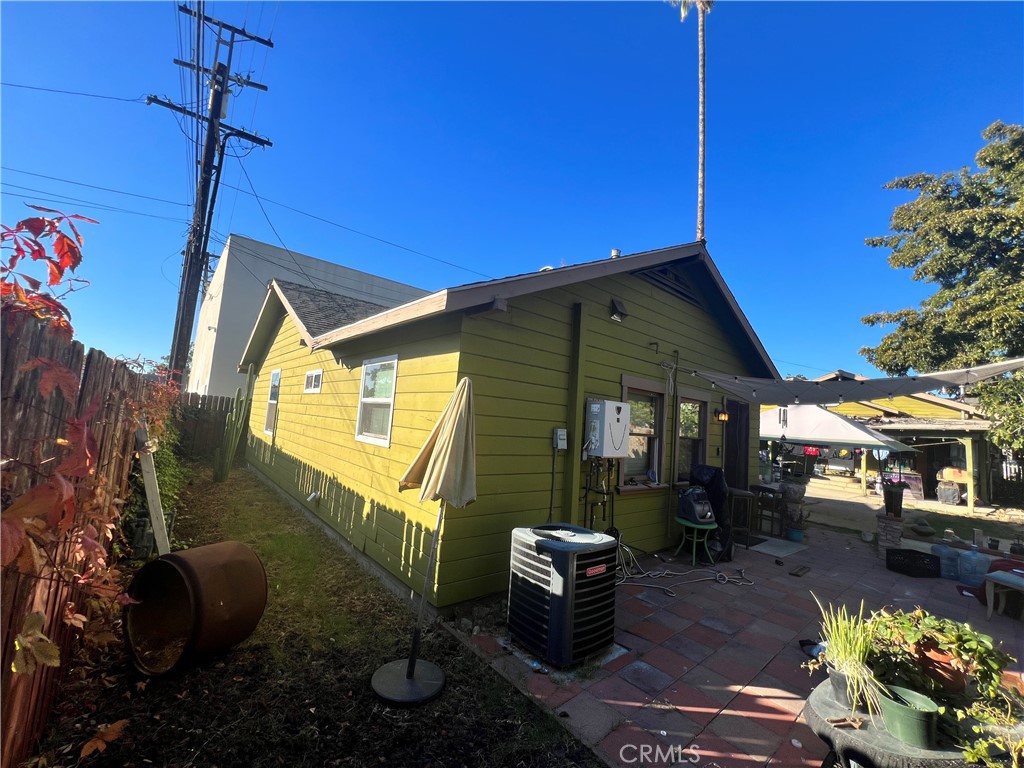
[737, 444]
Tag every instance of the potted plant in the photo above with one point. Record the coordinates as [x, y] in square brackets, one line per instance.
[848, 641]
[794, 516]
[931, 654]
[892, 494]
[795, 522]
[910, 716]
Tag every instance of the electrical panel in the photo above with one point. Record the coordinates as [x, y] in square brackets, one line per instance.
[607, 429]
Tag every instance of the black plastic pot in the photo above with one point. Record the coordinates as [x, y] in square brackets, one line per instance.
[893, 496]
[193, 604]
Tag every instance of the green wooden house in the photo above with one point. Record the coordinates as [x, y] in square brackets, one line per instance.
[347, 392]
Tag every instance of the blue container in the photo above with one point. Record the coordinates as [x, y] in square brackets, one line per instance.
[973, 567]
[949, 560]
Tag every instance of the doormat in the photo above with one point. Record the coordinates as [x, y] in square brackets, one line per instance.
[779, 547]
[742, 538]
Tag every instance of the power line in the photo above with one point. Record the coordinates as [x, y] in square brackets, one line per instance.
[59, 199]
[239, 250]
[272, 227]
[267, 200]
[362, 234]
[91, 186]
[139, 100]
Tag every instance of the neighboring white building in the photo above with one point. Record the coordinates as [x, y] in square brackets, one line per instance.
[237, 290]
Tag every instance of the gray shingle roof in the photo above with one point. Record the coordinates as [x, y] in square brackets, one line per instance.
[321, 311]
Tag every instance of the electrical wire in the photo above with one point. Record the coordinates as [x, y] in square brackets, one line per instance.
[91, 186]
[362, 234]
[238, 249]
[58, 199]
[273, 228]
[137, 100]
[628, 568]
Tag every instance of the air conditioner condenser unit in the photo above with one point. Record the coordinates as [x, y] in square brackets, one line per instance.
[561, 601]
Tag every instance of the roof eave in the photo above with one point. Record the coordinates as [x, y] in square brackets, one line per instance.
[478, 294]
[265, 320]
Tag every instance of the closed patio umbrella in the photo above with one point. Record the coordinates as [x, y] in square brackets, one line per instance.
[444, 470]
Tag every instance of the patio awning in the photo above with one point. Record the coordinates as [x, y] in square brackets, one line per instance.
[803, 392]
[814, 425]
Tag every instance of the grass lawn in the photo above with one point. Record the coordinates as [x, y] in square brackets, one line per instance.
[297, 692]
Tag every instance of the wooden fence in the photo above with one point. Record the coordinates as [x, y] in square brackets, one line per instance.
[201, 420]
[33, 423]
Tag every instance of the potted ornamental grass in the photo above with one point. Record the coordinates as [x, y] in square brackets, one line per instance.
[848, 640]
[927, 675]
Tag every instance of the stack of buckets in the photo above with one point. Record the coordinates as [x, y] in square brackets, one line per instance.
[968, 566]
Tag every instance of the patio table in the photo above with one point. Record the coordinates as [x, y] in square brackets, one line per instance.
[997, 584]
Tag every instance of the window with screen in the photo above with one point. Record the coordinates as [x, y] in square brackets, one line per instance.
[272, 397]
[691, 439]
[377, 400]
[641, 465]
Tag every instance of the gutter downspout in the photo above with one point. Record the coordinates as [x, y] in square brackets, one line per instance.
[673, 446]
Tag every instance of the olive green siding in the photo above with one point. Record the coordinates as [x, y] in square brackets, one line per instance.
[521, 364]
[314, 448]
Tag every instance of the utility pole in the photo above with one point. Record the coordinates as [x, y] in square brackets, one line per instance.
[216, 136]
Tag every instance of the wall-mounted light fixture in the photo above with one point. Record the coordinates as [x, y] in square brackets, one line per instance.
[722, 416]
[618, 310]
[314, 496]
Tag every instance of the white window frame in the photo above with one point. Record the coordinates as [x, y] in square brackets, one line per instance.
[269, 421]
[368, 365]
[317, 375]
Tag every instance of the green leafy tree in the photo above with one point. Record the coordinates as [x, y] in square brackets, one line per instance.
[964, 233]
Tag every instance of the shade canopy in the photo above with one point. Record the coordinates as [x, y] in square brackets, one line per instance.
[445, 467]
[803, 392]
[814, 425]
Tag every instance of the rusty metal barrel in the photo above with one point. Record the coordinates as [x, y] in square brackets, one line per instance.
[193, 605]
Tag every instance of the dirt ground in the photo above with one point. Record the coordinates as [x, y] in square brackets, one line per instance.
[297, 693]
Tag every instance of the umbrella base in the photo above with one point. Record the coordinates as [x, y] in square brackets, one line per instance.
[391, 684]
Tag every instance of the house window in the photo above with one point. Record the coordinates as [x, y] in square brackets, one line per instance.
[272, 396]
[313, 381]
[377, 400]
[691, 436]
[641, 465]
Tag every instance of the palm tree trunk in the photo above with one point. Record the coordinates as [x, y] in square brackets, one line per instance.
[700, 120]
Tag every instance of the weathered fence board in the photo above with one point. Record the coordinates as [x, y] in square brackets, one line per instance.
[201, 420]
[31, 423]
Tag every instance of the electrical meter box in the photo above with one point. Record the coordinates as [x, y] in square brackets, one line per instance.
[607, 429]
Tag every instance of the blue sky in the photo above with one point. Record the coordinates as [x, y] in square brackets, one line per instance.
[497, 138]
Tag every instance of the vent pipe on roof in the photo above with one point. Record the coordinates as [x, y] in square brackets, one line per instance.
[616, 253]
